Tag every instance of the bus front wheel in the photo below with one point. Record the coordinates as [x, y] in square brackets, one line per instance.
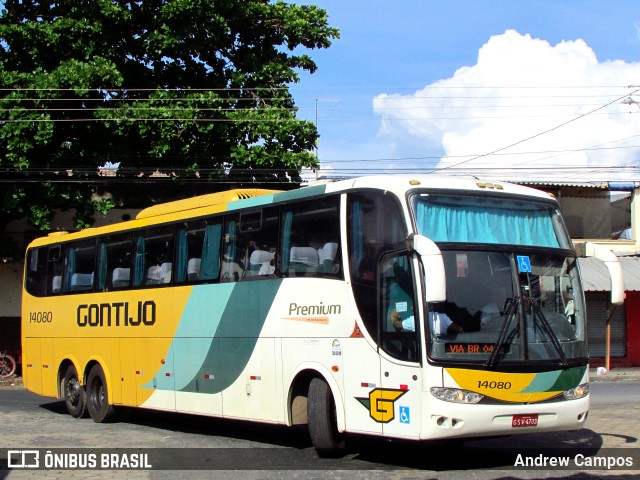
[100, 410]
[321, 417]
[75, 398]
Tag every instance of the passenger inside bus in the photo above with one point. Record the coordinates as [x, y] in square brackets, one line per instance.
[401, 313]
[440, 323]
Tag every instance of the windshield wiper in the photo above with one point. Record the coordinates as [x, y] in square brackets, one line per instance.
[538, 315]
[510, 311]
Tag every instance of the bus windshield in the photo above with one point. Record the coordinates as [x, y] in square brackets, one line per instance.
[513, 290]
[495, 312]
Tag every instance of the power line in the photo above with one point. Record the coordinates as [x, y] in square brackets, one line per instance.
[543, 132]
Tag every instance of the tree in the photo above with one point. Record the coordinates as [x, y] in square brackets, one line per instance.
[192, 89]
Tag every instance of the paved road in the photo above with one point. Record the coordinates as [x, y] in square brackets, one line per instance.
[28, 421]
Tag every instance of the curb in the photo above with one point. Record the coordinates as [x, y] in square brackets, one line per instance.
[615, 376]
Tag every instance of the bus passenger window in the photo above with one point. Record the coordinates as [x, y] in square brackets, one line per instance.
[310, 236]
[154, 257]
[260, 230]
[198, 252]
[114, 264]
[36, 271]
[80, 259]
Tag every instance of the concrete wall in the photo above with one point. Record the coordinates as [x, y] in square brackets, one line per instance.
[10, 289]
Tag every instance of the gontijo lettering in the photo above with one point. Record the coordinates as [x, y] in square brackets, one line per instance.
[116, 314]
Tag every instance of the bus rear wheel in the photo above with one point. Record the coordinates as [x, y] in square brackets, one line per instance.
[322, 420]
[75, 398]
[100, 410]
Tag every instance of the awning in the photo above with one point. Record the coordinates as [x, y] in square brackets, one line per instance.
[595, 277]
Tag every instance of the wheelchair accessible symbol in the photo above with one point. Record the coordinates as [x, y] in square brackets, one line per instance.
[405, 415]
[524, 264]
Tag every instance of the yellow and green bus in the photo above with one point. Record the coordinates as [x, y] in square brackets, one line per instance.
[415, 307]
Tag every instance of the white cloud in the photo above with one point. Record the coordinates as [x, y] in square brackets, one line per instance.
[519, 88]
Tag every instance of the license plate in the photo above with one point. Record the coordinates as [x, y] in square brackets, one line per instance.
[524, 421]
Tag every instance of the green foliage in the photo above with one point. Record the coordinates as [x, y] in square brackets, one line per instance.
[198, 88]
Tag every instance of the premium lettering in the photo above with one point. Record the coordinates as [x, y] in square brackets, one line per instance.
[117, 314]
[311, 310]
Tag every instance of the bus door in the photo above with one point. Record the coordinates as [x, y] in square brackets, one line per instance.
[398, 402]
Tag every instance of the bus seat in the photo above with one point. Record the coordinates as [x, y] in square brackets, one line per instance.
[154, 276]
[121, 277]
[81, 281]
[56, 284]
[193, 269]
[326, 256]
[165, 272]
[257, 259]
[231, 271]
[303, 259]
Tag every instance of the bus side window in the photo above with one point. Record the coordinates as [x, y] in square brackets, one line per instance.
[80, 264]
[157, 249]
[36, 271]
[198, 251]
[310, 239]
[375, 226]
[261, 233]
[114, 265]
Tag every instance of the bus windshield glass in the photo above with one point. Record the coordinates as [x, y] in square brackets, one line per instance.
[513, 290]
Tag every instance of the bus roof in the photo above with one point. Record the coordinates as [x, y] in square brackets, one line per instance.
[200, 201]
[246, 198]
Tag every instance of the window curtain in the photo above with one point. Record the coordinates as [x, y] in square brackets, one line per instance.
[356, 235]
[181, 268]
[139, 262]
[486, 225]
[102, 267]
[210, 260]
[71, 266]
[286, 241]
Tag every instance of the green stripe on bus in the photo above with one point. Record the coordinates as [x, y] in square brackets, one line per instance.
[235, 337]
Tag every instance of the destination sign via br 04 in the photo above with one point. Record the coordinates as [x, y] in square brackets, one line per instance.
[471, 347]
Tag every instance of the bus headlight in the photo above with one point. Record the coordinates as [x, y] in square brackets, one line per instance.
[578, 392]
[456, 395]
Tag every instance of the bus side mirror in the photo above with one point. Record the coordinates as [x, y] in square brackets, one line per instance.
[433, 264]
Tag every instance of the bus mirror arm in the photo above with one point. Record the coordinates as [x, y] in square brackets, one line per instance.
[614, 268]
[433, 266]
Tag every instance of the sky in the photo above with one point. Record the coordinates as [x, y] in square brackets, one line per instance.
[501, 89]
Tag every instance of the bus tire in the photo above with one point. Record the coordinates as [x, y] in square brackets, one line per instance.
[321, 417]
[100, 410]
[75, 397]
